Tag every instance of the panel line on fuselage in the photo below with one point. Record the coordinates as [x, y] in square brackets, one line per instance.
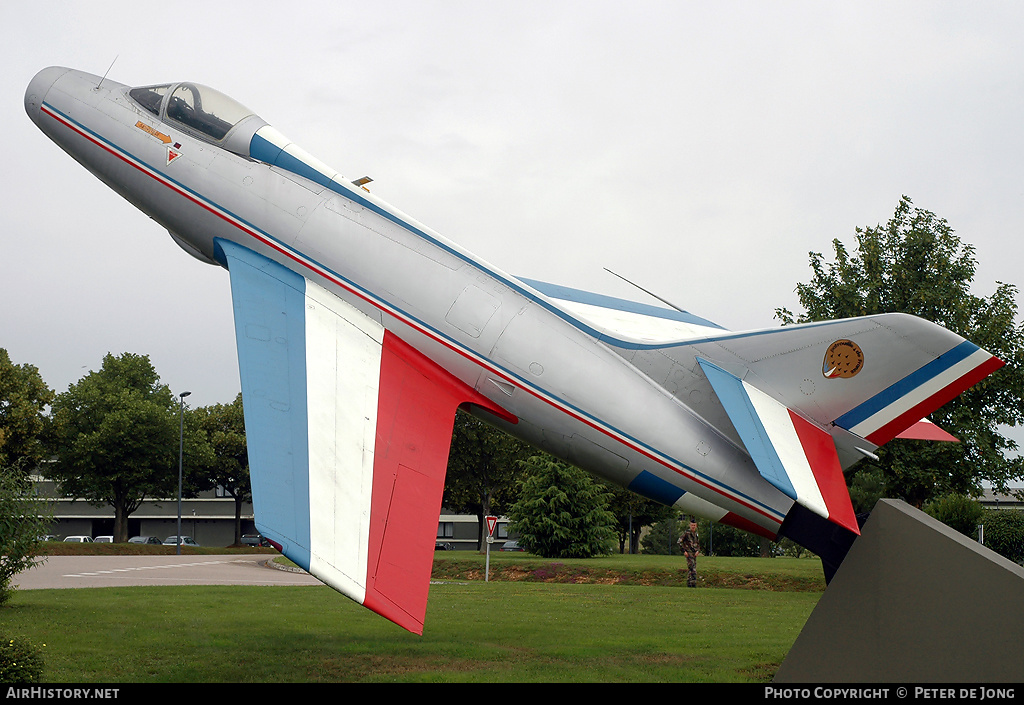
[354, 289]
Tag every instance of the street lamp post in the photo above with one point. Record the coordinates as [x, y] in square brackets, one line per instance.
[181, 453]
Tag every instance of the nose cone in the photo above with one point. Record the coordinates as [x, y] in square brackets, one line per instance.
[38, 87]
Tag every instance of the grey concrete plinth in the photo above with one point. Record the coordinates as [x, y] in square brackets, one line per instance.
[914, 601]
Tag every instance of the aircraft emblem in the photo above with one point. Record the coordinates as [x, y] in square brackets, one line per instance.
[843, 359]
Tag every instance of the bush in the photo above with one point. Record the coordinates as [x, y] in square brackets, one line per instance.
[20, 661]
[957, 512]
[1004, 532]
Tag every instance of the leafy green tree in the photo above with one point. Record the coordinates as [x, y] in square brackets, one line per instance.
[23, 520]
[116, 438]
[224, 428]
[482, 467]
[23, 401]
[561, 511]
[867, 486]
[916, 264]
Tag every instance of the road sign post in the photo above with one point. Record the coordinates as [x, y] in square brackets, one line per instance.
[491, 523]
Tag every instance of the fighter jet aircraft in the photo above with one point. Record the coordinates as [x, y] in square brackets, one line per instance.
[360, 331]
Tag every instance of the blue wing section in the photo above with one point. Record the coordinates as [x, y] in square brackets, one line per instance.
[268, 302]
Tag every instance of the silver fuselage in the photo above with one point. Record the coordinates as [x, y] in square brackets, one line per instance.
[629, 415]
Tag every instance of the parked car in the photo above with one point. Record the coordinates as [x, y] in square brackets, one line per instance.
[49, 537]
[103, 539]
[439, 546]
[78, 539]
[254, 540]
[146, 539]
[512, 546]
[185, 541]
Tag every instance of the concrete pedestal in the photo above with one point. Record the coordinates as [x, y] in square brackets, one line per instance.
[914, 601]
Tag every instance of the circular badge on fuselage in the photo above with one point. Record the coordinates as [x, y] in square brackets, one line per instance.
[843, 359]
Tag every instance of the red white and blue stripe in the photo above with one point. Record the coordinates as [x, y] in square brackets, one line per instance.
[893, 410]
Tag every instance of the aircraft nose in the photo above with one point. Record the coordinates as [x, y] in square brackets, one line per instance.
[38, 87]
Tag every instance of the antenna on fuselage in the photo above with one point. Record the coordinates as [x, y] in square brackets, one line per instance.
[105, 73]
[667, 303]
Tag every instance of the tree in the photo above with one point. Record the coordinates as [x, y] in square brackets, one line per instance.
[116, 438]
[23, 520]
[224, 427]
[866, 486]
[916, 264]
[561, 511]
[482, 469]
[23, 401]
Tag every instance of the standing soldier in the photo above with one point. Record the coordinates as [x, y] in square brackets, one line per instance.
[688, 543]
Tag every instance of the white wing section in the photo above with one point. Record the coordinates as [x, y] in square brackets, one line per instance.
[343, 360]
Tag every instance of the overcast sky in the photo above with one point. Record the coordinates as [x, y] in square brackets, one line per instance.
[699, 149]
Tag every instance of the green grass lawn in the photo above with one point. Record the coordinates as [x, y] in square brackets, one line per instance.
[525, 629]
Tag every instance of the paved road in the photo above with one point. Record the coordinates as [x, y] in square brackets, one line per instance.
[111, 571]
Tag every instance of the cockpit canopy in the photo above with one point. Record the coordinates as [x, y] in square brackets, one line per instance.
[203, 112]
[211, 116]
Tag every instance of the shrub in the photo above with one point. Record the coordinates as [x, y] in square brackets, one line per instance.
[1004, 532]
[957, 512]
[20, 661]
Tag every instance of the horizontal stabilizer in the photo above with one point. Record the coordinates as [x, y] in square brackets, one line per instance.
[348, 428]
[925, 430]
[793, 454]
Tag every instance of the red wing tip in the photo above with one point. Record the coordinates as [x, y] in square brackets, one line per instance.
[392, 612]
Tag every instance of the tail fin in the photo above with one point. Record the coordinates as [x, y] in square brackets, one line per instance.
[808, 400]
[874, 377]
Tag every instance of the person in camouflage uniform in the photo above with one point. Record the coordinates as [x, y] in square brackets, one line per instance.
[689, 544]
